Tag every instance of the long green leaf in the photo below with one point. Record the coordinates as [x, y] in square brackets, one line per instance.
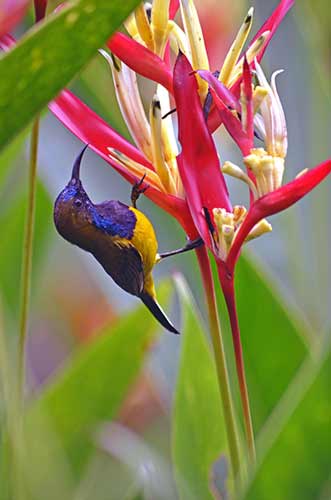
[50, 55]
[298, 463]
[94, 384]
[273, 342]
[198, 433]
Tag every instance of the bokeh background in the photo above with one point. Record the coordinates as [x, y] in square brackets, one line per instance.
[73, 298]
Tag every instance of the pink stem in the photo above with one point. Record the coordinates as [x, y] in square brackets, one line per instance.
[220, 361]
[227, 283]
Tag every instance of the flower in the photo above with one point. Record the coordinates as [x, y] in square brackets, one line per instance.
[258, 109]
[147, 52]
[188, 182]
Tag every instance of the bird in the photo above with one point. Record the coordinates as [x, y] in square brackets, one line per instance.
[120, 237]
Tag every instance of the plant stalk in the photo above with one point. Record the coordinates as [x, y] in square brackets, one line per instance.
[220, 360]
[227, 283]
[27, 255]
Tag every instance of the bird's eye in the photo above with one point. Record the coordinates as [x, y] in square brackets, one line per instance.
[78, 203]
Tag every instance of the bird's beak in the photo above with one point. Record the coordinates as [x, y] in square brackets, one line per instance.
[76, 166]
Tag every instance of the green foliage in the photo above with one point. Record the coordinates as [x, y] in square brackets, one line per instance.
[92, 387]
[50, 55]
[61, 426]
[12, 223]
[7, 158]
[298, 463]
[272, 339]
[198, 428]
[269, 332]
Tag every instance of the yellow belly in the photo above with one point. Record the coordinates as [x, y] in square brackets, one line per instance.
[144, 240]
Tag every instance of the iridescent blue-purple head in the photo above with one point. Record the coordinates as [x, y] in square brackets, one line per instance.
[72, 207]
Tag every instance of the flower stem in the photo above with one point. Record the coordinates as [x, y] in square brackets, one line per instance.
[27, 255]
[219, 354]
[227, 282]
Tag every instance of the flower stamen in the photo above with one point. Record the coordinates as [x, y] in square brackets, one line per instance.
[227, 226]
[251, 54]
[144, 27]
[233, 170]
[196, 41]
[236, 48]
[129, 100]
[162, 169]
[131, 27]
[178, 40]
[268, 170]
[159, 24]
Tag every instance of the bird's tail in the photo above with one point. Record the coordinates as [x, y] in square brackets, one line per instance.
[157, 312]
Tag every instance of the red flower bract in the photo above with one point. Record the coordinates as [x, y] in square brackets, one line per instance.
[198, 162]
[275, 202]
[141, 60]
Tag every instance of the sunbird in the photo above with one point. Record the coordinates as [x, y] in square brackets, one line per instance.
[120, 237]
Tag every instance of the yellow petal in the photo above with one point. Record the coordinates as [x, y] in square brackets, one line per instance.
[236, 48]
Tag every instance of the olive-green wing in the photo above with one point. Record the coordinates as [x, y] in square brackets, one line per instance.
[124, 264]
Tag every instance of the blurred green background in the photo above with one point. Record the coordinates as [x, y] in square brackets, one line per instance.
[284, 282]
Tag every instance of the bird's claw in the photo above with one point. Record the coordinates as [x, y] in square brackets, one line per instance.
[137, 190]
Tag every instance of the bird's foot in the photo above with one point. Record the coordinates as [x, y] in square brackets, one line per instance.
[137, 190]
[189, 246]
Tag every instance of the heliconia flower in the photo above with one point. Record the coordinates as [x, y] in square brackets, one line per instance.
[260, 107]
[11, 12]
[188, 182]
[147, 53]
[223, 228]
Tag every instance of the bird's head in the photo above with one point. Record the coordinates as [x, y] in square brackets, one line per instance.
[72, 207]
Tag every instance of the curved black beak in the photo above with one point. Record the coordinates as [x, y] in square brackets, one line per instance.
[76, 166]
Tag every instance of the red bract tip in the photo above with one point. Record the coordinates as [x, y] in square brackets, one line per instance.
[141, 60]
[272, 23]
[277, 201]
[40, 7]
[248, 97]
[198, 162]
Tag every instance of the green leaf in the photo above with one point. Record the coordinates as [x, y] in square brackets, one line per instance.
[12, 228]
[50, 55]
[94, 384]
[198, 429]
[7, 158]
[269, 332]
[298, 463]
